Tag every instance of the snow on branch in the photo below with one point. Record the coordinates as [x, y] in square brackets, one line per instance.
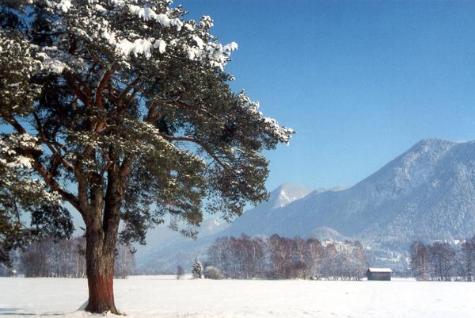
[155, 27]
[16, 167]
[272, 127]
[148, 13]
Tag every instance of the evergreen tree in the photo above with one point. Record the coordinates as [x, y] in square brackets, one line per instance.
[197, 269]
[123, 110]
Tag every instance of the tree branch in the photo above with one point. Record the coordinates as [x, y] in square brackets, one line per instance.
[179, 103]
[201, 144]
[186, 105]
[45, 174]
[55, 151]
[84, 97]
[126, 91]
[102, 85]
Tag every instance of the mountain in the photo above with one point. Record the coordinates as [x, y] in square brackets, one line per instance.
[284, 195]
[427, 193]
[252, 222]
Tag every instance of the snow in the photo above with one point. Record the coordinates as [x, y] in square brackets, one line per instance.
[198, 41]
[54, 66]
[206, 21]
[21, 161]
[100, 8]
[380, 270]
[161, 44]
[51, 64]
[139, 46]
[65, 5]
[147, 14]
[233, 46]
[159, 296]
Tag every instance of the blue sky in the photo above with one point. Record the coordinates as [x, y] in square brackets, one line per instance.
[360, 81]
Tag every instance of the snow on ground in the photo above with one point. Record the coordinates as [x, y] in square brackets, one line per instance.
[158, 296]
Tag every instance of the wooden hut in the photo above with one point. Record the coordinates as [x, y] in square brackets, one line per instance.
[374, 273]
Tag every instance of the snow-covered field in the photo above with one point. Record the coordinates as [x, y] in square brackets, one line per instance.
[158, 296]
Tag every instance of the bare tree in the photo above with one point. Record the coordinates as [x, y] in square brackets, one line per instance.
[468, 259]
[180, 272]
[313, 256]
[420, 260]
[442, 257]
[279, 255]
[124, 261]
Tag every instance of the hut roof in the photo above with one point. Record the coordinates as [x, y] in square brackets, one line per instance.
[379, 270]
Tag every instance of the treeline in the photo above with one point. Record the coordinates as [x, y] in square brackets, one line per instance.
[442, 261]
[279, 257]
[66, 258]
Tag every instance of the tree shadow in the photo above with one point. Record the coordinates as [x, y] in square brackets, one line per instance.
[13, 311]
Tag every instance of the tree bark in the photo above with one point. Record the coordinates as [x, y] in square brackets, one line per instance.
[101, 237]
[100, 274]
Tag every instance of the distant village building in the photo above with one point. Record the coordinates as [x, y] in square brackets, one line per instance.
[379, 273]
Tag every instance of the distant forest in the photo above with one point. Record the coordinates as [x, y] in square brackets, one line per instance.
[279, 257]
[442, 261]
[64, 258]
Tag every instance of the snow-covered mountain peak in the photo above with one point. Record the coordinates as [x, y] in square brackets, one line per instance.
[286, 194]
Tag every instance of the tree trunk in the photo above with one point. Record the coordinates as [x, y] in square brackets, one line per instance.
[102, 226]
[100, 274]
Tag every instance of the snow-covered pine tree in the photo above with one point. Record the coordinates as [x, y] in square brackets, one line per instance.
[197, 269]
[122, 109]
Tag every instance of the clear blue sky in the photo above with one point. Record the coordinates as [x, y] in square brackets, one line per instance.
[360, 81]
